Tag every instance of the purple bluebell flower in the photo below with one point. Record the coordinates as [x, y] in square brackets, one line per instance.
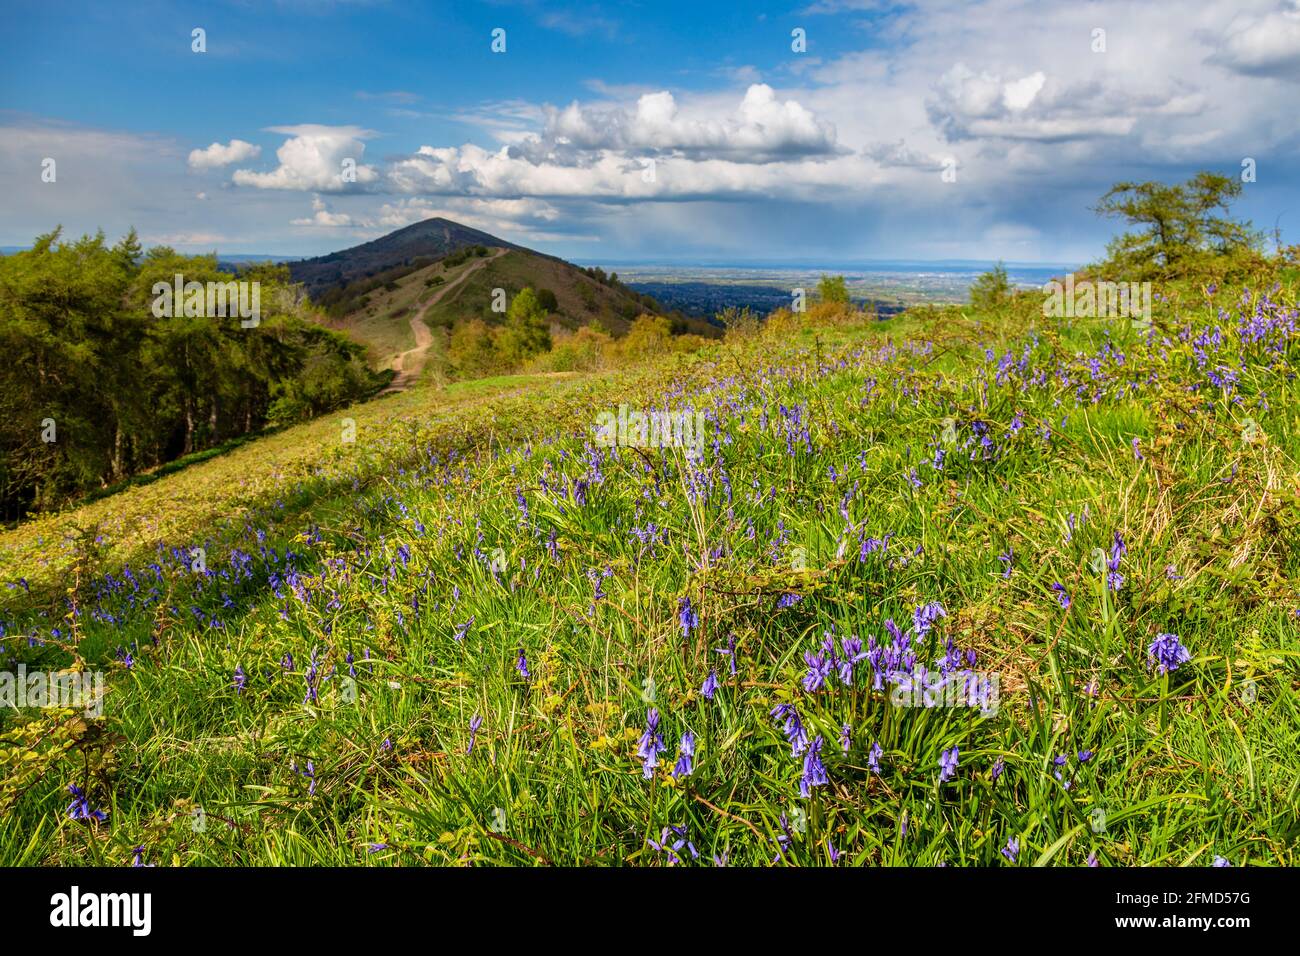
[1062, 595]
[948, 764]
[463, 629]
[730, 652]
[1085, 756]
[853, 654]
[79, 808]
[1007, 559]
[475, 723]
[923, 617]
[1137, 455]
[871, 545]
[670, 849]
[1220, 861]
[998, 766]
[312, 679]
[686, 753]
[793, 728]
[789, 599]
[1167, 653]
[710, 685]
[814, 771]
[1115, 580]
[241, 679]
[521, 665]
[650, 744]
[1092, 859]
[846, 737]
[310, 774]
[783, 839]
[1012, 849]
[686, 617]
[873, 757]
[952, 658]
[819, 668]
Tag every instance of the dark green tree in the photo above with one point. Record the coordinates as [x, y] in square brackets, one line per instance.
[548, 300]
[120, 389]
[1183, 227]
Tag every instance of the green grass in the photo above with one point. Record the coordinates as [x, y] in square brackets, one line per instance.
[395, 536]
[516, 269]
[384, 323]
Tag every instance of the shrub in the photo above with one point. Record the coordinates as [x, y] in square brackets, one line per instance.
[585, 350]
[739, 323]
[472, 351]
[991, 290]
[833, 289]
[649, 335]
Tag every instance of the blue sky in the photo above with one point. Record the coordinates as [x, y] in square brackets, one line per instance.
[760, 150]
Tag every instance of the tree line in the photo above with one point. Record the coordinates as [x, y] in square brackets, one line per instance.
[96, 387]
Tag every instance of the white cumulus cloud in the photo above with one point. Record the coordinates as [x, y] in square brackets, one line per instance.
[965, 104]
[322, 215]
[236, 151]
[314, 158]
[762, 128]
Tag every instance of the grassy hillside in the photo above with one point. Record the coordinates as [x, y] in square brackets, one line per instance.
[382, 323]
[381, 320]
[476, 635]
[582, 300]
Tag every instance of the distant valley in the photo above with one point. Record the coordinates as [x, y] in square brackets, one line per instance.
[889, 286]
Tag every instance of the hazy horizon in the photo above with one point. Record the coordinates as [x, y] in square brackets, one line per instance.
[698, 262]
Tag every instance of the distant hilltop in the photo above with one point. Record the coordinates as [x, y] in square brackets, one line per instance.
[416, 245]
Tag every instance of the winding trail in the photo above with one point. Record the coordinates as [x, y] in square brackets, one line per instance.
[410, 364]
